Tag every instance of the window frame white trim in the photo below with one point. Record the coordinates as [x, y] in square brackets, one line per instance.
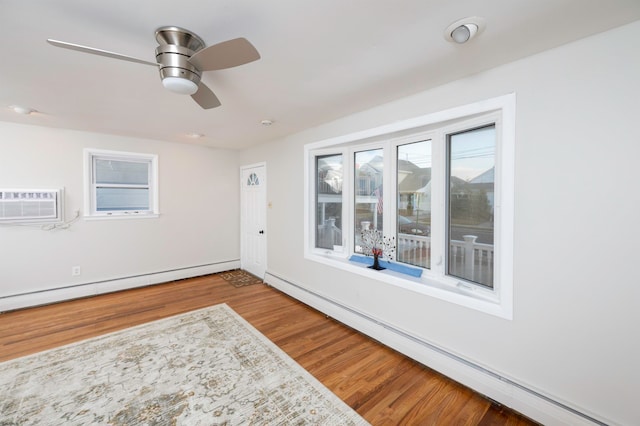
[311, 185]
[90, 211]
[497, 301]
[351, 152]
[440, 222]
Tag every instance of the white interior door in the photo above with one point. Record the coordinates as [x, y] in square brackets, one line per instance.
[253, 213]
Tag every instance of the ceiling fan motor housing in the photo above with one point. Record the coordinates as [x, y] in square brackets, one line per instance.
[173, 61]
[177, 45]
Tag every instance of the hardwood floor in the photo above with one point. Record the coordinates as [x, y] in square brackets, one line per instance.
[383, 386]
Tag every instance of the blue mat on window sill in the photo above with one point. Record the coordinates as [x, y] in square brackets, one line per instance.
[397, 267]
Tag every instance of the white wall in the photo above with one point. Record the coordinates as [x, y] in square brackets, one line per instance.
[198, 223]
[574, 336]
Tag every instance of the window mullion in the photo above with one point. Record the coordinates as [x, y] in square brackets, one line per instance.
[389, 191]
[350, 202]
[347, 197]
[438, 204]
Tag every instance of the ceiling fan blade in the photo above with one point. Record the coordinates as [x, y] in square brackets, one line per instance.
[205, 97]
[99, 52]
[227, 54]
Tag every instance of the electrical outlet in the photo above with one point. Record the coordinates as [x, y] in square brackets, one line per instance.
[75, 271]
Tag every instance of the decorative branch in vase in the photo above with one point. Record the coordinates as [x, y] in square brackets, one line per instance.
[377, 245]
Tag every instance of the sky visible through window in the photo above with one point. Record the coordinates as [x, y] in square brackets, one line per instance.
[474, 152]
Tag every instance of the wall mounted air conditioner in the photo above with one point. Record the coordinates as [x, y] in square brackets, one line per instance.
[31, 205]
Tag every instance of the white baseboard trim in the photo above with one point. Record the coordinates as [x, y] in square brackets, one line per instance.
[508, 392]
[53, 295]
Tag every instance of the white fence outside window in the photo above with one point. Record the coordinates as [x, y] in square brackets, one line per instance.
[468, 259]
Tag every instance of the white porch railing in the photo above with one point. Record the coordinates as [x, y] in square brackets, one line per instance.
[467, 259]
[414, 250]
[329, 235]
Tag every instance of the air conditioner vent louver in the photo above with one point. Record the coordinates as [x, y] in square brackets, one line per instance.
[30, 205]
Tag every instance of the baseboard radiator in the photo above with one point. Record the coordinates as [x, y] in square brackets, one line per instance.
[506, 391]
[60, 293]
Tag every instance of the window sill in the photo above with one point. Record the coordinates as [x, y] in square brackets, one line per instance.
[452, 291]
[122, 216]
[392, 266]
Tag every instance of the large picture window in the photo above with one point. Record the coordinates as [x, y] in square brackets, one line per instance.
[442, 190]
[120, 184]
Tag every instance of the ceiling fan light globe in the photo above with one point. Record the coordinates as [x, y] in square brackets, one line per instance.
[179, 85]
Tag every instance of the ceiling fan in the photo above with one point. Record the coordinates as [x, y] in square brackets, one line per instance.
[182, 57]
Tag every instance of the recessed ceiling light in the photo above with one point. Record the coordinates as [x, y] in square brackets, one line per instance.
[266, 122]
[464, 30]
[195, 135]
[22, 110]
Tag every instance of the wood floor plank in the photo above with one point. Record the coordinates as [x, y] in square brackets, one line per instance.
[392, 406]
[383, 386]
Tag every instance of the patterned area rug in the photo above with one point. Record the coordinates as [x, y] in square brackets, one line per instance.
[240, 278]
[201, 368]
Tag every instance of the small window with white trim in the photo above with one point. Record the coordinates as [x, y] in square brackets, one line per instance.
[120, 184]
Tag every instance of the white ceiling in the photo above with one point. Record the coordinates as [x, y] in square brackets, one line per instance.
[320, 59]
